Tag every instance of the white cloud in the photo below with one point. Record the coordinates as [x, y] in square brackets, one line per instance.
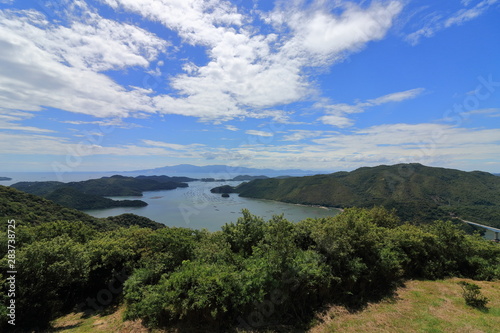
[337, 121]
[9, 121]
[397, 97]
[259, 133]
[465, 15]
[48, 65]
[436, 21]
[173, 146]
[298, 135]
[232, 128]
[247, 71]
[325, 37]
[336, 114]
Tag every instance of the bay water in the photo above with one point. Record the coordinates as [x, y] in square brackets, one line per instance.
[191, 207]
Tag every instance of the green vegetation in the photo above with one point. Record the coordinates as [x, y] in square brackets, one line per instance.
[223, 189]
[72, 198]
[418, 193]
[472, 295]
[106, 186]
[253, 273]
[89, 194]
[30, 210]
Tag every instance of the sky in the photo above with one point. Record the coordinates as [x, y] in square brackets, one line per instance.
[105, 85]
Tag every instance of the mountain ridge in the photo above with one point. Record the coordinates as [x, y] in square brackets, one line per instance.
[417, 192]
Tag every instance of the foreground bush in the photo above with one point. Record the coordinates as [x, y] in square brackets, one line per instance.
[252, 273]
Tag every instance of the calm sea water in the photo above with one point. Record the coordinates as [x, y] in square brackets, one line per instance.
[192, 207]
[195, 207]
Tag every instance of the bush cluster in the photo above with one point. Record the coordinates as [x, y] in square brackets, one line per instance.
[252, 273]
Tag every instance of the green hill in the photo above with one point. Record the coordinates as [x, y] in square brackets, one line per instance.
[32, 210]
[90, 194]
[417, 192]
[72, 198]
[105, 186]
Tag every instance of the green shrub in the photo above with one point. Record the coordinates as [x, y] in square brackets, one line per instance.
[472, 295]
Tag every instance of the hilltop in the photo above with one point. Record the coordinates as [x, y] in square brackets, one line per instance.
[419, 193]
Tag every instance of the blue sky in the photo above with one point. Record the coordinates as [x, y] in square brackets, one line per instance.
[100, 85]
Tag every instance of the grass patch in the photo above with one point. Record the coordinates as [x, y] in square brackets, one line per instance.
[111, 322]
[421, 306]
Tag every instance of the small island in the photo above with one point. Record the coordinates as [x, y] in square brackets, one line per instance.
[223, 189]
[225, 195]
[5, 178]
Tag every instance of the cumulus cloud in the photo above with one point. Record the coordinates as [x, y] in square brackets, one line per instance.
[43, 64]
[63, 61]
[249, 72]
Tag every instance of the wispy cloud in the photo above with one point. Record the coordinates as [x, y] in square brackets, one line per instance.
[173, 146]
[298, 135]
[437, 21]
[337, 114]
[259, 133]
[232, 128]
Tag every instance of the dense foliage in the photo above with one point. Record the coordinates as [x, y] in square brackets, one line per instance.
[105, 186]
[90, 194]
[253, 273]
[418, 193]
[30, 210]
[72, 198]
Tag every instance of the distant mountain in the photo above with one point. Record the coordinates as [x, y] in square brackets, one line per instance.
[222, 171]
[419, 193]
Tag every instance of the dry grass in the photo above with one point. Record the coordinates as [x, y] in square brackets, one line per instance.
[113, 322]
[421, 306]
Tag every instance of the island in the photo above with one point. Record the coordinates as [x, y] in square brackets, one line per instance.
[90, 194]
[5, 178]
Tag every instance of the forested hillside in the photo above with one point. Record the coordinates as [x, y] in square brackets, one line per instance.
[90, 194]
[417, 192]
[251, 274]
[33, 210]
